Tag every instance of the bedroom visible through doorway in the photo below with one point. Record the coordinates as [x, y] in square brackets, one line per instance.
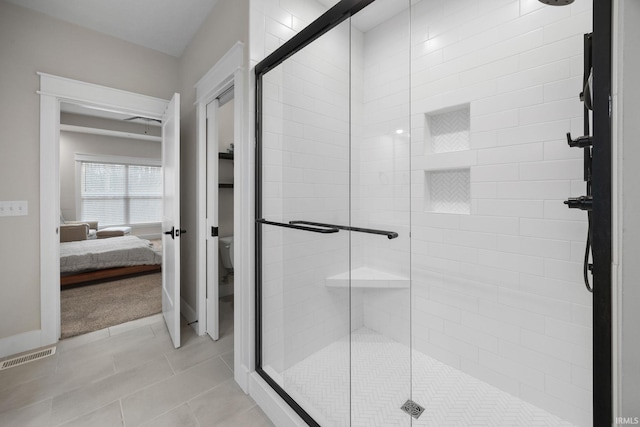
[110, 211]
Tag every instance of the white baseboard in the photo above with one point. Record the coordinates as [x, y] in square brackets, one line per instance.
[241, 374]
[272, 404]
[22, 342]
[187, 311]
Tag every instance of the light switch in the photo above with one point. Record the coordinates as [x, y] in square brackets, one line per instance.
[14, 208]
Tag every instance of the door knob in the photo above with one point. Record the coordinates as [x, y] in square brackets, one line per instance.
[180, 232]
[173, 232]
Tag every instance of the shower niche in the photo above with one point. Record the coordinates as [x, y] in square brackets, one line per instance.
[448, 191]
[447, 130]
[447, 160]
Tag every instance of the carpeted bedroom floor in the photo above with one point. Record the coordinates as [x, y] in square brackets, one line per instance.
[97, 306]
[93, 307]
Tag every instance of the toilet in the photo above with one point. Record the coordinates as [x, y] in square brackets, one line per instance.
[225, 245]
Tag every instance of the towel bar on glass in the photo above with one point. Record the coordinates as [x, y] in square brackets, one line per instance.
[389, 234]
[324, 229]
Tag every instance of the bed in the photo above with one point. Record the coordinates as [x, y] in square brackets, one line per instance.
[88, 260]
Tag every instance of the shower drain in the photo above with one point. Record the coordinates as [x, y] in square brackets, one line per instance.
[412, 408]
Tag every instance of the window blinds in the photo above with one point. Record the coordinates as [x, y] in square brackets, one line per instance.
[120, 194]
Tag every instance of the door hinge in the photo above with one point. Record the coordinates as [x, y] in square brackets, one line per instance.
[214, 231]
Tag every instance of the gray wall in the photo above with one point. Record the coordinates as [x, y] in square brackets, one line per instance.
[227, 24]
[629, 346]
[31, 42]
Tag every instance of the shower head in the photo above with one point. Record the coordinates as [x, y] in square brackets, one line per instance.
[556, 2]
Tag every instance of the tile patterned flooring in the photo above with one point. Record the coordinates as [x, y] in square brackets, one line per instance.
[380, 384]
[130, 375]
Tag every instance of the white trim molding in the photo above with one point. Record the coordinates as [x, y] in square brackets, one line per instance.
[101, 97]
[229, 71]
[625, 205]
[49, 219]
[53, 91]
[617, 129]
[272, 404]
[217, 79]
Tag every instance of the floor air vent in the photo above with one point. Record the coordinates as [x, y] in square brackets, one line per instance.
[412, 408]
[26, 358]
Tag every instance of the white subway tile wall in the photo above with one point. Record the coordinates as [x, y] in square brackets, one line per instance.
[306, 177]
[496, 292]
[535, 328]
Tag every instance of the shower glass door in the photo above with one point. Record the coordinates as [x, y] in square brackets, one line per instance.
[380, 200]
[333, 217]
[416, 264]
[303, 211]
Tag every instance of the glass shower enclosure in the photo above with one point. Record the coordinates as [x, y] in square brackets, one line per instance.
[414, 262]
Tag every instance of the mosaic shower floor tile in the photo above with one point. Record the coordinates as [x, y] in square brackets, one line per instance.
[380, 376]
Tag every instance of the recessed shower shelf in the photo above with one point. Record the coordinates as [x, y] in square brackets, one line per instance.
[452, 160]
[365, 277]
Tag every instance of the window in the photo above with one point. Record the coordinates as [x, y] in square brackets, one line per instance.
[120, 191]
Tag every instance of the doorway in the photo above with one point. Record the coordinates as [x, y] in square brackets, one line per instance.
[220, 210]
[227, 72]
[111, 180]
[55, 90]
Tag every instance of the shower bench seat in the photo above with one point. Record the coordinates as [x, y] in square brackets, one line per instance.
[366, 277]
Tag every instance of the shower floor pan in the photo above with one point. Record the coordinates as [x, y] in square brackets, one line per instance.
[320, 384]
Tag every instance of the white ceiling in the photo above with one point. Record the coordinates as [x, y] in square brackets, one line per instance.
[168, 25]
[164, 25]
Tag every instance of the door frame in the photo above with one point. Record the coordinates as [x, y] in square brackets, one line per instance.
[212, 202]
[601, 216]
[602, 209]
[230, 70]
[53, 91]
[342, 11]
[171, 300]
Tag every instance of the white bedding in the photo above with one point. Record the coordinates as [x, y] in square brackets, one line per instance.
[124, 251]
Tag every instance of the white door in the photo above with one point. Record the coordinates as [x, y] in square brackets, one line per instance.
[213, 316]
[171, 218]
